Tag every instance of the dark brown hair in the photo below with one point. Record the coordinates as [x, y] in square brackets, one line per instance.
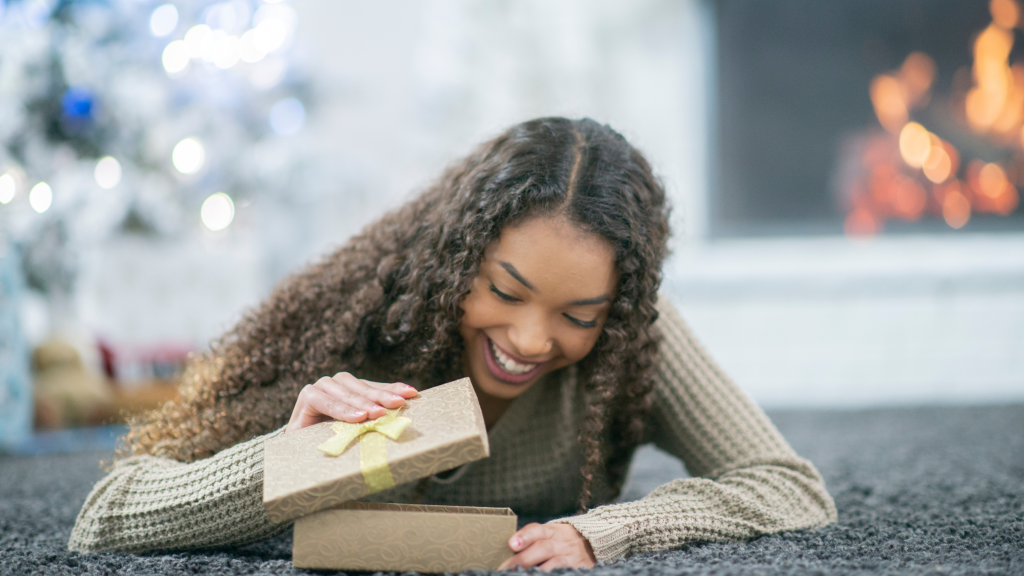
[385, 305]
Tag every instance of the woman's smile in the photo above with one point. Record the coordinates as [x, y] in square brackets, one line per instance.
[505, 367]
[538, 304]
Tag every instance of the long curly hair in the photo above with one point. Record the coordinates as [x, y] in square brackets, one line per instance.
[385, 305]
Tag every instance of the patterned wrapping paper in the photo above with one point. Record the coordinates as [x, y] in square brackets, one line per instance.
[447, 430]
[404, 538]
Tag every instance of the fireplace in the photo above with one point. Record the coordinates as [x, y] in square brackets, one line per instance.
[868, 117]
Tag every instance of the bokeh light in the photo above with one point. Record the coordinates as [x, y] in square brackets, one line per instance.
[287, 116]
[176, 57]
[108, 172]
[915, 144]
[164, 20]
[247, 49]
[188, 156]
[956, 209]
[1005, 13]
[8, 188]
[199, 40]
[218, 211]
[268, 72]
[224, 51]
[992, 180]
[40, 197]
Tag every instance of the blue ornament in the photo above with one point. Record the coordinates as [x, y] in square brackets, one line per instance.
[78, 104]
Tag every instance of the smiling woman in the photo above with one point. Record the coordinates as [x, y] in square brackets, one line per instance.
[538, 304]
[532, 266]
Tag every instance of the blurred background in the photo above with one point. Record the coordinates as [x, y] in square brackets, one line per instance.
[845, 176]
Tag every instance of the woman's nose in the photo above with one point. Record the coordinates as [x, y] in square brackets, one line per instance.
[531, 338]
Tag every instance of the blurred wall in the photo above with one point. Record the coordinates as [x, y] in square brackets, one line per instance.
[401, 88]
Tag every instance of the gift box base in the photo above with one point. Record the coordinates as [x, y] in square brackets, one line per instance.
[403, 538]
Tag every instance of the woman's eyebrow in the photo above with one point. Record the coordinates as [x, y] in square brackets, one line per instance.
[590, 301]
[515, 274]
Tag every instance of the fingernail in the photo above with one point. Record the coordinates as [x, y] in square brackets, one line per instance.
[517, 543]
[407, 387]
[360, 412]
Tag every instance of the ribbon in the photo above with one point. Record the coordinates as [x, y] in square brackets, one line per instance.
[373, 458]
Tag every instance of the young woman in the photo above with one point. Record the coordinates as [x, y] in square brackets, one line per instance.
[532, 266]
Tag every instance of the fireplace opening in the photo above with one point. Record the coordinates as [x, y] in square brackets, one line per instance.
[868, 117]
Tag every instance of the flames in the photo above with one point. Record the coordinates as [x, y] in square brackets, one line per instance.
[908, 171]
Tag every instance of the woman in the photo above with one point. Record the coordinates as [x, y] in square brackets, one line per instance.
[532, 266]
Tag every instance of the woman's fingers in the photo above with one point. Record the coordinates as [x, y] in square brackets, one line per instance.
[347, 398]
[549, 546]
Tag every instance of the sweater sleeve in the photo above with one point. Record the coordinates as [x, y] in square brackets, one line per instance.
[747, 480]
[148, 504]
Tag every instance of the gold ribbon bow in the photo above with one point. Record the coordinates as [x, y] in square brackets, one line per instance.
[373, 457]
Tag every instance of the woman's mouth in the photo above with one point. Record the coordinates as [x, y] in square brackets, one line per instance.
[505, 368]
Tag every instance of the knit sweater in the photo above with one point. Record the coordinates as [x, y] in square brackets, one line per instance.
[746, 480]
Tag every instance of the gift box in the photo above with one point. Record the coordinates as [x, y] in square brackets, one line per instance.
[440, 429]
[404, 538]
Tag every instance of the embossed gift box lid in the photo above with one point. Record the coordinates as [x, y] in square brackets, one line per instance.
[403, 538]
[447, 430]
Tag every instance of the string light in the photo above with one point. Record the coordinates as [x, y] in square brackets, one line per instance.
[108, 172]
[176, 57]
[218, 211]
[40, 197]
[188, 156]
[164, 20]
[7, 188]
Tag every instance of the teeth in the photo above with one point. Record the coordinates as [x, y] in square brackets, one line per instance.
[510, 365]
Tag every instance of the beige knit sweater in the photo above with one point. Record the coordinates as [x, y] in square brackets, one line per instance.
[746, 479]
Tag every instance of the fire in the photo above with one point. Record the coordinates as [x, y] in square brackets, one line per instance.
[908, 171]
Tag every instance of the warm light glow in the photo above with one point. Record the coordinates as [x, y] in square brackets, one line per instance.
[860, 222]
[247, 49]
[1005, 13]
[40, 197]
[164, 20]
[1007, 201]
[992, 180]
[199, 40]
[938, 166]
[7, 188]
[888, 99]
[993, 79]
[287, 116]
[176, 57]
[218, 211]
[917, 73]
[956, 210]
[910, 199]
[188, 156]
[915, 144]
[108, 172]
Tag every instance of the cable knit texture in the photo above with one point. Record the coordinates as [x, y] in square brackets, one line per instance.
[746, 479]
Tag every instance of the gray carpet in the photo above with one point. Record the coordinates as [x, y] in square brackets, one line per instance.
[919, 491]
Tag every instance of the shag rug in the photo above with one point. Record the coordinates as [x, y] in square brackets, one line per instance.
[936, 490]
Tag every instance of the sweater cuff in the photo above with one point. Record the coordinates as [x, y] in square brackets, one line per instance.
[609, 540]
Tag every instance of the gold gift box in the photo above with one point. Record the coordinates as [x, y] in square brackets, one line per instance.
[404, 538]
[302, 483]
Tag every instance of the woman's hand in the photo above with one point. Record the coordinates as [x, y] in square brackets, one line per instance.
[549, 546]
[347, 398]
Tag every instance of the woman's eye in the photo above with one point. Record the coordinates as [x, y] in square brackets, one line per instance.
[503, 296]
[581, 323]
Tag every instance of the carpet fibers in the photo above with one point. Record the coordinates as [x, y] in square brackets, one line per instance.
[919, 491]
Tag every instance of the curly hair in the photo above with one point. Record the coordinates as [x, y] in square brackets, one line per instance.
[386, 304]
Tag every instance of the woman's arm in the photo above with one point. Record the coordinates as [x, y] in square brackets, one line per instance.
[147, 504]
[747, 480]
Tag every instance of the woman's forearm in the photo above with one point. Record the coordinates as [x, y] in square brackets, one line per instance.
[148, 504]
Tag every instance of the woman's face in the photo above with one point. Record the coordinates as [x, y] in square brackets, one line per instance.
[538, 304]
